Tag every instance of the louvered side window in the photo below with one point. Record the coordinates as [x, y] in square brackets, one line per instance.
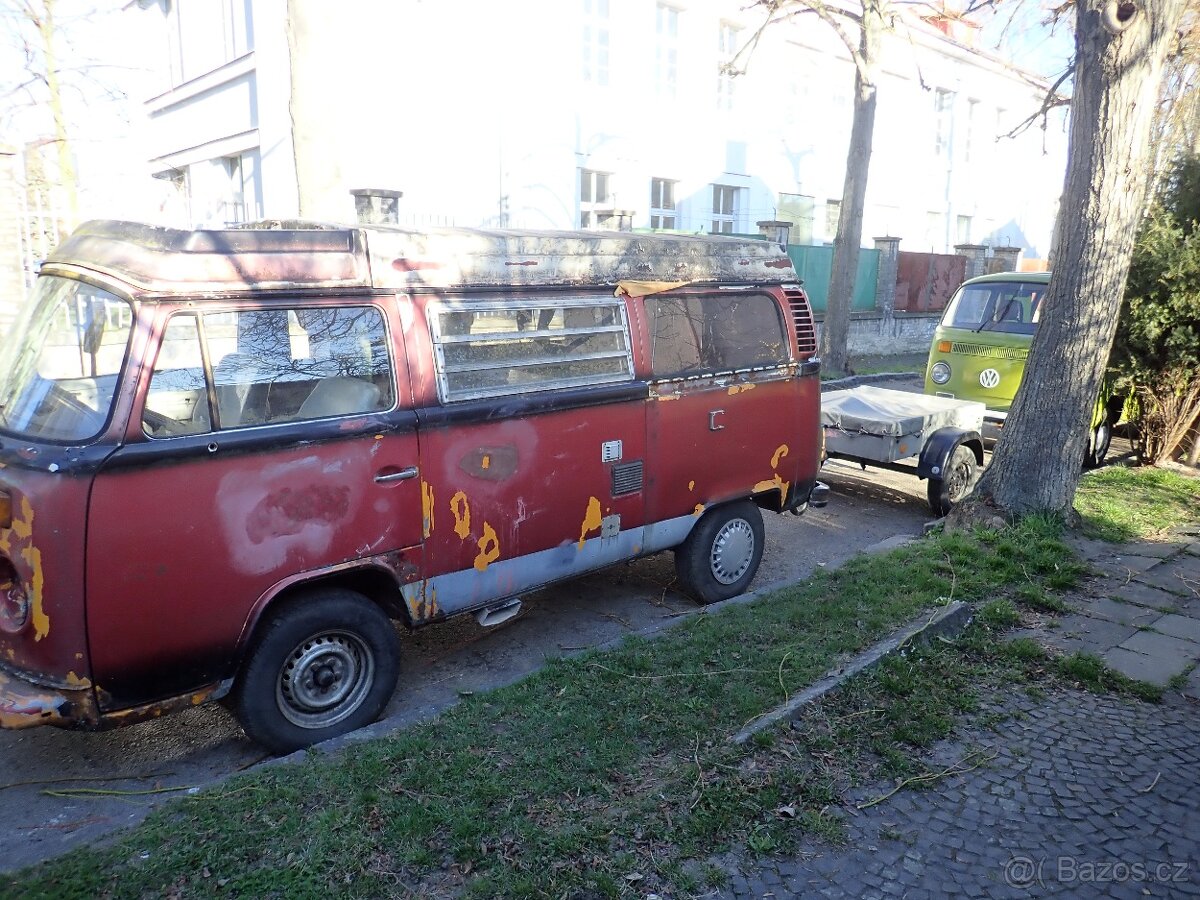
[806, 333]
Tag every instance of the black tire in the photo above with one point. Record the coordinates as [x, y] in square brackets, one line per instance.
[958, 478]
[1098, 444]
[720, 557]
[324, 664]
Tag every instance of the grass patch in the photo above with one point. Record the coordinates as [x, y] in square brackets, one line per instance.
[1121, 504]
[610, 771]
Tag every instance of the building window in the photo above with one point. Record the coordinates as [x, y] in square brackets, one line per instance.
[595, 42]
[727, 41]
[595, 200]
[943, 111]
[725, 208]
[662, 203]
[206, 34]
[969, 148]
[963, 229]
[833, 217]
[666, 51]
[935, 231]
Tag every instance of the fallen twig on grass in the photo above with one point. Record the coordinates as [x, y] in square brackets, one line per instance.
[955, 769]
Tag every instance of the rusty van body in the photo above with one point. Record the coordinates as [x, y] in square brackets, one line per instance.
[230, 460]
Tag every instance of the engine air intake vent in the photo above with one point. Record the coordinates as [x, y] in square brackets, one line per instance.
[627, 478]
[806, 332]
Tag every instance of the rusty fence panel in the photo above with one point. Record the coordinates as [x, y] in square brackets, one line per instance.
[926, 281]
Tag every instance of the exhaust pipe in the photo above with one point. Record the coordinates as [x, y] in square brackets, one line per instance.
[498, 614]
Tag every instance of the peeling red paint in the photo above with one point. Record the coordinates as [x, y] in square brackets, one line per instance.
[414, 265]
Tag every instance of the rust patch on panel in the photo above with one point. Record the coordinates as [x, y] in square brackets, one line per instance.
[489, 548]
[492, 463]
[461, 510]
[592, 520]
[427, 508]
[18, 542]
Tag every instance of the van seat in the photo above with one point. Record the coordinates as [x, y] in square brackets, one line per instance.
[237, 376]
[339, 397]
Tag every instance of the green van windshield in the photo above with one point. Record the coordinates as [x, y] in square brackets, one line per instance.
[1008, 307]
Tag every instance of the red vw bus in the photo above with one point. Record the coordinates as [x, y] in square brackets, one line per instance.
[231, 460]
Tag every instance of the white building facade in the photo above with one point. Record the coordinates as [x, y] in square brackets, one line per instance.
[589, 113]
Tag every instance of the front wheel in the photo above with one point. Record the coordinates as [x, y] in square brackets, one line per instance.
[720, 557]
[958, 478]
[323, 665]
[1098, 443]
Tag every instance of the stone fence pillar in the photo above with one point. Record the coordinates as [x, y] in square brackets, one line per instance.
[1005, 259]
[377, 206]
[885, 284]
[976, 256]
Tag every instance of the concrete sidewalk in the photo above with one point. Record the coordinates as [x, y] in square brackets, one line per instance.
[1140, 612]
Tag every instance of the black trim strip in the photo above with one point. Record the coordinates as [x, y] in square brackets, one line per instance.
[498, 408]
[810, 367]
[265, 437]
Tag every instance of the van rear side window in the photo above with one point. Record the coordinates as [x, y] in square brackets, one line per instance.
[495, 348]
[268, 366]
[718, 333]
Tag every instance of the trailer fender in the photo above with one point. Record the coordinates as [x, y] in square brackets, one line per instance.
[941, 446]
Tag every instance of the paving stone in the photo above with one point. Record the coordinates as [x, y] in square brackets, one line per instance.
[1154, 644]
[1176, 577]
[1116, 611]
[1142, 594]
[1192, 688]
[1124, 567]
[1097, 634]
[1159, 549]
[1178, 626]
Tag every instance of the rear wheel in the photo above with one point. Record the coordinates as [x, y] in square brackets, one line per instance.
[958, 478]
[321, 666]
[721, 555]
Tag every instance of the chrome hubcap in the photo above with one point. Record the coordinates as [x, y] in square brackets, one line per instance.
[732, 551]
[325, 679]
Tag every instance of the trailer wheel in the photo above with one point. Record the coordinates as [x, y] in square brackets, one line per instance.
[720, 557]
[957, 481]
[323, 665]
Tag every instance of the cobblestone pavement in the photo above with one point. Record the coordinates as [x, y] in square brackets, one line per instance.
[1086, 796]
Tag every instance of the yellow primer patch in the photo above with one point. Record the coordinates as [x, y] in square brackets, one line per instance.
[461, 510]
[780, 453]
[22, 531]
[486, 463]
[433, 603]
[741, 388]
[591, 520]
[75, 681]
[489, 548]
[698, 510]
[663, 398]
[427, 508]
[691, 485]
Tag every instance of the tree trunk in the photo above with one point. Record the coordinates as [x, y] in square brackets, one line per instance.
[66, 165]
[835, 328]
[1119, 66]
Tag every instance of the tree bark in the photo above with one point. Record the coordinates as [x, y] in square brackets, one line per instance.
[66, 165]
[1120, 50]
[835, 328]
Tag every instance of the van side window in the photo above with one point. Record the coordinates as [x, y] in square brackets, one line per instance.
[494, 348]
[284, 365]
[177, 401]
[715, 333]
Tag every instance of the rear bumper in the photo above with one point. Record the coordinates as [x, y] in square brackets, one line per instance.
[24, 704]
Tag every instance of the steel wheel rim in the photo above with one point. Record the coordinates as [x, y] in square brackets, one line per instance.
[732, 551]
[325, 679]
[959, 478]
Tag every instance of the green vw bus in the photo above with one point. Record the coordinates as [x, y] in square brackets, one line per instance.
[981, 344]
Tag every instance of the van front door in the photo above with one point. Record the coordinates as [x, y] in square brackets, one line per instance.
[271, 449]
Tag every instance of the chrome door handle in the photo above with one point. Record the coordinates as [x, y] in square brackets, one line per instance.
[712, 420]
[402, 475]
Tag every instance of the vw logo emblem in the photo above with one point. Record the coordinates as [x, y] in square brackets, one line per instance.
[989, 378]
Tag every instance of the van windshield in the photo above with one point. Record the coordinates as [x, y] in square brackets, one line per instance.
[60, 367]
[1009, 307]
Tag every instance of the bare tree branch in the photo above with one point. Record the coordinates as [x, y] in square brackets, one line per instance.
[1052, 100]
